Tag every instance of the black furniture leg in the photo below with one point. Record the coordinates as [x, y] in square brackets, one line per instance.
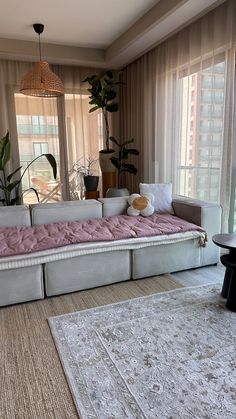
[229, 286]
[226, 283]
[231, 300]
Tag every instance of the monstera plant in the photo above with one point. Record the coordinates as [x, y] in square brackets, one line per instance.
[10, 190]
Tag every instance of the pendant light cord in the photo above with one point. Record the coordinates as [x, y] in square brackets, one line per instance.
[40, 52]
[39, 28]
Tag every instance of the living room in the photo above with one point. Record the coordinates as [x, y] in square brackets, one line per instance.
[134, 325]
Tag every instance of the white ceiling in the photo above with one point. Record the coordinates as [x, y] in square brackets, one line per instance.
[103, 33]
[86, 23]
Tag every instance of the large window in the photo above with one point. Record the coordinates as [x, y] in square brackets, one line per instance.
[37, 128]
[202, 96]
[79, 137]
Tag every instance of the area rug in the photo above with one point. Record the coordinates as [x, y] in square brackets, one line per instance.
[166, 356]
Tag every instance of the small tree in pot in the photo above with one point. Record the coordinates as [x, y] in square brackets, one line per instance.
[121, 164]
[102, 96]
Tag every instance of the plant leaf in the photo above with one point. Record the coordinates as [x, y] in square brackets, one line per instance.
[115, 162]
[31, 189]
[95, 108]
[112, 107]
[12, 185]
[109, 74]
[3, 188]
[130, 168]
[5, 151]
[111, 94]
[128, 142]
[132, 151]
[51, 160]
[13, 173]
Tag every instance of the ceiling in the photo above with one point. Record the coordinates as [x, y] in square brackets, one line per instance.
[103, 33]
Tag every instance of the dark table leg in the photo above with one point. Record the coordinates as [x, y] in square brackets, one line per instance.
[229, 285]
[227, 278]
[231, 299]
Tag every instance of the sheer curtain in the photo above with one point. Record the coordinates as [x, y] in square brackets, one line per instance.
[62, 126]
[178, 102]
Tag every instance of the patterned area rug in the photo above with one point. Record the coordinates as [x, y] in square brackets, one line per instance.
[165, 356]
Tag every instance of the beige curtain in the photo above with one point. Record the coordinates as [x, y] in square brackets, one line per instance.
[156, 105]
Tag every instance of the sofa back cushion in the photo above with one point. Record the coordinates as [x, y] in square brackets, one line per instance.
[13, 216]
[114, 206]
[65, 211]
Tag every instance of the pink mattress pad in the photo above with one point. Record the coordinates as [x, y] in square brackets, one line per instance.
[22, 240]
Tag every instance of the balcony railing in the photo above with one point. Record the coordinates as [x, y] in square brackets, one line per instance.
[194, 180]
[210, 100]
[213, 85]
[209, 130]
[24, 129]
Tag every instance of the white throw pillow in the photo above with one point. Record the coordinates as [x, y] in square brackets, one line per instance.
[162, 193]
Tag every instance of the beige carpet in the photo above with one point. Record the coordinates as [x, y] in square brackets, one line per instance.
[167, 355]
[32, 382]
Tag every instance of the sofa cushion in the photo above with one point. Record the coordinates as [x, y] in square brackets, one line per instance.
[13, 216]
[19, 285]
[114, 206]
[65, 211]
[162, 193]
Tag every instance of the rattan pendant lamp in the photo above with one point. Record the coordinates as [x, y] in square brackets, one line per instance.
[41, 81]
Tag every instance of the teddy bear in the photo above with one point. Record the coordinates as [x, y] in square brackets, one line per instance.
[140, 205]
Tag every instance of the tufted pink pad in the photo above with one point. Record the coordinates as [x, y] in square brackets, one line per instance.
[22, 240]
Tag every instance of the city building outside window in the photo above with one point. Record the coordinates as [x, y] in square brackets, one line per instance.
[201, 129]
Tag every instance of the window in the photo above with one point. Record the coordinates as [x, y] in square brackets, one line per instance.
[40, 148]
[199, 165]
[37, 129]
[38, 133]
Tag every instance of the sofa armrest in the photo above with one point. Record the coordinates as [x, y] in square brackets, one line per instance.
[205, 214]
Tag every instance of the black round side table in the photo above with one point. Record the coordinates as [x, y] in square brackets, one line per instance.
[228, 241]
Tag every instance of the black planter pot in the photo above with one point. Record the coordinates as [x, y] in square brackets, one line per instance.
[91, 183]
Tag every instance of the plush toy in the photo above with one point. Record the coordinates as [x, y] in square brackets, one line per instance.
[140, 204]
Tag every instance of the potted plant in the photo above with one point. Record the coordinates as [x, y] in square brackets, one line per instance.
[102, 96]
[122, 166]
[86, 169]
[10, 190]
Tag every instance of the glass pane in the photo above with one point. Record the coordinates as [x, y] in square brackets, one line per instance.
[37, 128]
[84, 139]
[201, 132]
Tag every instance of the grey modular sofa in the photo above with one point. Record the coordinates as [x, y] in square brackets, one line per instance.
[88, 265]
